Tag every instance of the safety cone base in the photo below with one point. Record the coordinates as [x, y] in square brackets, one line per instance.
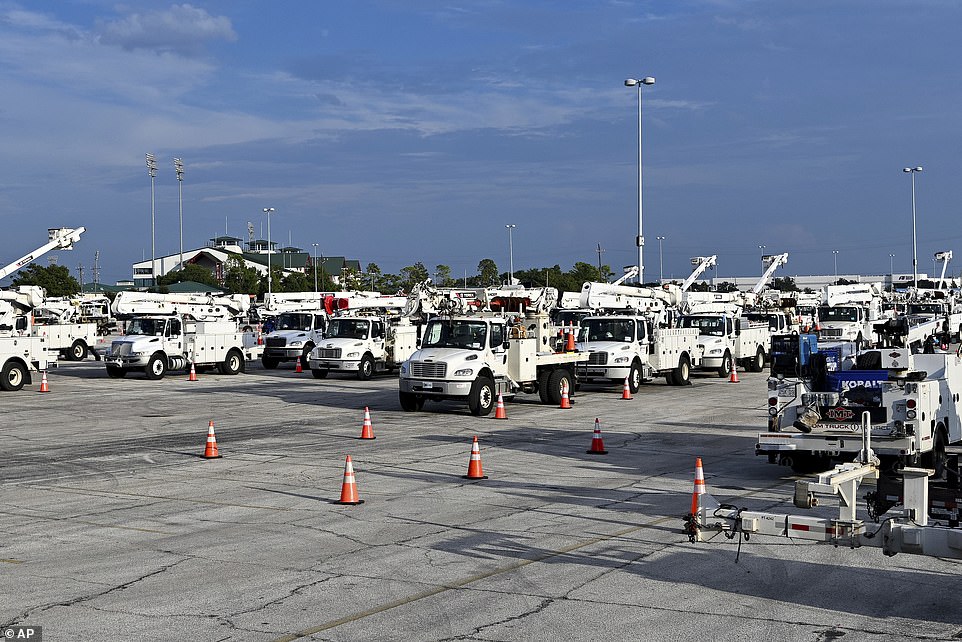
[217, 456]
[346, 503]
[597, 452]
[470, 477]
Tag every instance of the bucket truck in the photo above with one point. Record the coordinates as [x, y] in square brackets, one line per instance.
[850, 312]
[504, 346]
[174, 331]
[299, 328]
[375, 339]
[630, 336]
[21, 352]
[701, 264]
[71, 325]
[725, 337]
[61, 238]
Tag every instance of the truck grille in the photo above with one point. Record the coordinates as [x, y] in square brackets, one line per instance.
[275, 342]
[831, 332]
[120, 349]
[597, 358]
[428, 370]
[329, 353]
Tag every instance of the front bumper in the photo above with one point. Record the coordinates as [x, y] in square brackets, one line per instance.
[328, 364]
[284, 354]
[126, 362]
[604, 372]
[435, 388]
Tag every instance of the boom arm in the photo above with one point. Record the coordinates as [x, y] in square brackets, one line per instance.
[945, 257]
[62, 238]
[200, 307]
[701, 264]
[774, 262]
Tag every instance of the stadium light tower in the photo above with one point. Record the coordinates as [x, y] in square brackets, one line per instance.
[152, 172]
[179, 168]
[915, 251]
[269, 211]
[640, 240]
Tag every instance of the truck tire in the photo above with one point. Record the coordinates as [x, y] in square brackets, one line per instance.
[269, 363]
[481, 398]
[544, 378]
[156, 367]
[13, 377]
[634, 378]
[116, 373]
[725, 369]
[78, 351]
[319, 374]
[757, 364]
[681, 375]
[233, 364]
[306, 356]
[409, 401]
[366, 368]
[556, 382]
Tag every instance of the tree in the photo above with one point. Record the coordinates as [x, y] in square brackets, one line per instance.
[296, 282]
[373, 276]
[442, 276]
[240, 279]
[191, 272]
[488, 273]
[784, 284]
[55, 279]
[412, 275]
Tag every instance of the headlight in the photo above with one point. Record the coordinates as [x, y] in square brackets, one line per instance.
[621, 359]
[138, 354]
[715, 351]
[352, 355]
[296, 344]
[404, 368]
[464, 372]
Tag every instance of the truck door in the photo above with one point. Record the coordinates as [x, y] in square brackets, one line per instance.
[174, 334]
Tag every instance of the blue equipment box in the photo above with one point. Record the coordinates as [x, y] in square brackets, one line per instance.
[846, 379]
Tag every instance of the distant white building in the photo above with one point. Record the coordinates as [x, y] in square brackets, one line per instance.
[218, 250]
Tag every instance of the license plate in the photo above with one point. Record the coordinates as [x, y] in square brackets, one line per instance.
[427, 386]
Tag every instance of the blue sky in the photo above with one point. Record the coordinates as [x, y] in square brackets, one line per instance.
[396, 132]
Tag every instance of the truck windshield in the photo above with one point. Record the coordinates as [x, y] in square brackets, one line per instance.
[838, 313]
[568, 317]
[146, 327]
[455, 333]
[597, 329]
[294, 321]
[348, 329]
[714, 326]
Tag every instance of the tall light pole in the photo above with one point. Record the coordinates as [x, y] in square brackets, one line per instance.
[640, 240]
[510, 254]
[269, 211]
[315, 266]
[761, 249]
[152, 172]
[179, 168]
[892, 264]
[835, 255]
[915, 253]
[661, 265]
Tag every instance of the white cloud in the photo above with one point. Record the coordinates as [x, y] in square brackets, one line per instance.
[181, 28]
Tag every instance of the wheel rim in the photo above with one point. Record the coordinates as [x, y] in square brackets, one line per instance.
[684, 371]
[367, 367]
[486, 397]
[15, 377]
[158, 367]
[636, 377]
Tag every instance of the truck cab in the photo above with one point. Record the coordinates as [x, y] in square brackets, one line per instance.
[294, 336]
[145, 344]
[364, 345]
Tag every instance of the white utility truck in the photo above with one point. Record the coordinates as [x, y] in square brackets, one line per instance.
[71, 325]
[850, 312]
[631, 337]
[174, 331]
[818, 406]
[724, 337]
[21, 352]
[300, 322]
[504, 348]
[372, 336]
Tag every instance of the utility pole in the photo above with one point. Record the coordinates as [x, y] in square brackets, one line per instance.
[602, 274]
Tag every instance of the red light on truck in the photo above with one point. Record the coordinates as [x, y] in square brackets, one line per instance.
[910, 404]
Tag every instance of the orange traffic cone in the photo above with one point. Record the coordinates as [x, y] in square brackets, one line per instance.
[565, 400]
[733, 377]
[474, 465]
[193, 373]
[298, 367]
[367, 430]
[260, 339]
[597, 444]
[44, 386]
[210, 452]
[499, 411]
[570, 342]
[626, 391]
[349, 487]
[699, 487]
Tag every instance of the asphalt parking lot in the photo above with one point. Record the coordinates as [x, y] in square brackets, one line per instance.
[115, 527]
